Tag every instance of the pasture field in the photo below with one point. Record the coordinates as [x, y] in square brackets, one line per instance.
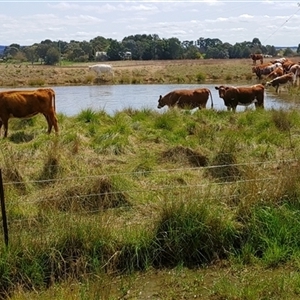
[149, 205]
[129, 72]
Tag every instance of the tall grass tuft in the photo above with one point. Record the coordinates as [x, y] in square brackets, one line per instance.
[87, 116]
[272, 234]
[224, 163]
[192, 233]
[200, 77]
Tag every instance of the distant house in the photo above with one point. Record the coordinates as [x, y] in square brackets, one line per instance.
[127, 55]
[101, 56]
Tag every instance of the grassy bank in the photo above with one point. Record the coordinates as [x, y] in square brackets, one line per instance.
[173, 205]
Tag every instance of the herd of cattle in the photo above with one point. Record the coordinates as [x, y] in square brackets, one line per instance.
[27, 103]
[277, 72]
[232, 96]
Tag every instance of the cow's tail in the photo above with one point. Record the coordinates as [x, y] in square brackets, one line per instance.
[53, 100]
[211, 99]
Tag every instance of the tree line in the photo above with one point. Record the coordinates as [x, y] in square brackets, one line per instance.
[141, 47]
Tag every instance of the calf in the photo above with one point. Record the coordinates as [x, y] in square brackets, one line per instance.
[234, 96]
[281, 80]
[26, 104]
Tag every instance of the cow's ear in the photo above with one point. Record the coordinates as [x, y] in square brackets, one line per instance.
[216, 87]
[160, 96]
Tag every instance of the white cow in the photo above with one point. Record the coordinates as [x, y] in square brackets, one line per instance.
[102, 69]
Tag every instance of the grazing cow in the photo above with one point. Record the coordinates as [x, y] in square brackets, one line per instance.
[186, 98]
[102, 69]
[234, 96]
[256, 57]
[281, 80]
[26, 104]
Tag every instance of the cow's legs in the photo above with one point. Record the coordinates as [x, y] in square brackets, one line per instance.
[52, 122]
[5, 125]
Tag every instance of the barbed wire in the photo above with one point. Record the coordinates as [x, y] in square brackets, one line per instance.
[282, 24]
[149, 172]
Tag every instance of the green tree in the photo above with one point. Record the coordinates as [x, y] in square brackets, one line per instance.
[288, 52]
[30, 53]
[43, 48]
[115, 50]
[52, 56]
[175, 48]
[298, 49]
[88, 50]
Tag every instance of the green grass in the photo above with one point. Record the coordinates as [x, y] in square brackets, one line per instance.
[114, 202]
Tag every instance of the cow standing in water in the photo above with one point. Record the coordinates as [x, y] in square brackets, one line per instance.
[234, 96]
[26, 104]
[102, 69]
[189, 99]
[285, 79]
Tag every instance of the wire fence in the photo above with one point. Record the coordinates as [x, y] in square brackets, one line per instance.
[67, 200]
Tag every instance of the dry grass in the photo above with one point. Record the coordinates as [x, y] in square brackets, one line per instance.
[174, 71]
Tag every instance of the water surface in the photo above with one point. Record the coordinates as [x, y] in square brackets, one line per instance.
[71, 100]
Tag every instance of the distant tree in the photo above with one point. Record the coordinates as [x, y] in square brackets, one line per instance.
[298, 49]
[41, 50]
[187, 44]
[246, 52]
[30, 53]
[115, 50]
[271, 50]
[175, 48]
[88, 50]
[192, 52]
[288, 52]
[11, 50]
[52, 56]
[236, 51]
[256, 43]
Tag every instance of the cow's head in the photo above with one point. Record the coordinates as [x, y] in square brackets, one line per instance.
[161, 102]
[222, 90]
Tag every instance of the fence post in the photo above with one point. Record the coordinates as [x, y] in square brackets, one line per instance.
[5, 229]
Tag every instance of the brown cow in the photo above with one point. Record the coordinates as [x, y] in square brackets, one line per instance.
[282, 80]
[265, 69]
[26, 104]
[280, 60]
[256, 57]
[287, 65]
[276, 73]
[186, 98]
[234, 96]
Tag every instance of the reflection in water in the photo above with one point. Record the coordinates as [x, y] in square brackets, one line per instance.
[71, 100]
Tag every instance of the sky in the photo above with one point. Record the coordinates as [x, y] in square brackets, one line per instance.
[272, 22]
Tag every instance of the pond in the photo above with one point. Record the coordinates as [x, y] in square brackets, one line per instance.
[71, 100]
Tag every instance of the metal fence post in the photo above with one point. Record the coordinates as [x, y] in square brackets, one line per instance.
[2, 202]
